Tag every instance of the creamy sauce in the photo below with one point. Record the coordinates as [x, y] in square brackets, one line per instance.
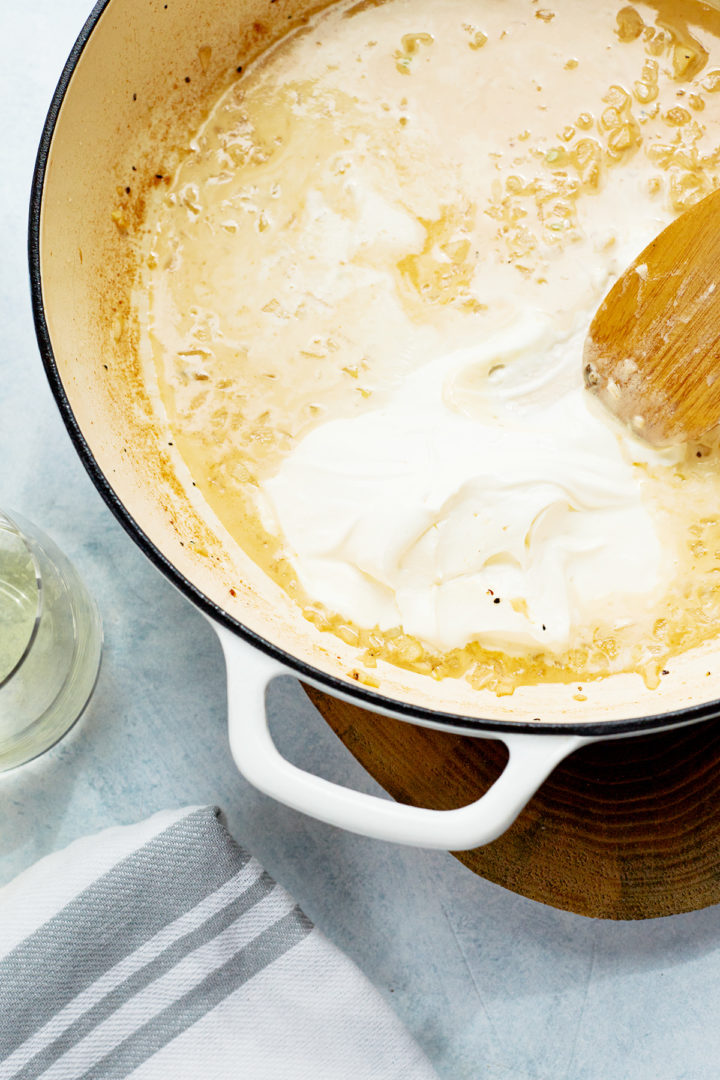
[368, 289]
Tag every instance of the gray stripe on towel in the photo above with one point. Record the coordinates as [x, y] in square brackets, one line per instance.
[267, 947]
[125, 907]
[261, 887]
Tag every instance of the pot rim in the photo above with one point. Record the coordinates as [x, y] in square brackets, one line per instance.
[362, 696]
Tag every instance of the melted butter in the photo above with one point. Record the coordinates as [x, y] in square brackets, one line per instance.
[406, 178]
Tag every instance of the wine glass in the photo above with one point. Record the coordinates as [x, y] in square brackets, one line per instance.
[50, 642]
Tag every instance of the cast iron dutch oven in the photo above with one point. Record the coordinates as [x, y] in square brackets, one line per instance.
[139, 74]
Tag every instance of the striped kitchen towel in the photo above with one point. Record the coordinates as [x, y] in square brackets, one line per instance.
[163, 950]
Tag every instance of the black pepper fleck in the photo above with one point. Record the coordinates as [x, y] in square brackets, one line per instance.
[496, 600]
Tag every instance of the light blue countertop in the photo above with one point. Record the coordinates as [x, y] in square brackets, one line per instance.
[491, 984]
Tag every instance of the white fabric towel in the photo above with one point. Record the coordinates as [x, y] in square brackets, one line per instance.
[163, 950]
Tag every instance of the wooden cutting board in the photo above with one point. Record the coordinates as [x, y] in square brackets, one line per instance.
[621, 830]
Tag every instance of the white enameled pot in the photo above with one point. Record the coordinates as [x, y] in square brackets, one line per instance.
[139, 74]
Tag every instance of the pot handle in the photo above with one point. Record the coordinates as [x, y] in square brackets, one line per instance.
[532, 759]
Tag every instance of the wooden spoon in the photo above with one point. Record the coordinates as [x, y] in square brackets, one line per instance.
[653, 351]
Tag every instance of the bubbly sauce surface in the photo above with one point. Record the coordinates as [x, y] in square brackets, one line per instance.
[367, 290]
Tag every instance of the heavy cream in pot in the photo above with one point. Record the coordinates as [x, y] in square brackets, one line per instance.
[367, 290]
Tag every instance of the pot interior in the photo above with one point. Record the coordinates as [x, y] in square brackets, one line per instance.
[139, 77]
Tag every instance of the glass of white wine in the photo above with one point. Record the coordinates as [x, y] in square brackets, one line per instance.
[50, 642]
